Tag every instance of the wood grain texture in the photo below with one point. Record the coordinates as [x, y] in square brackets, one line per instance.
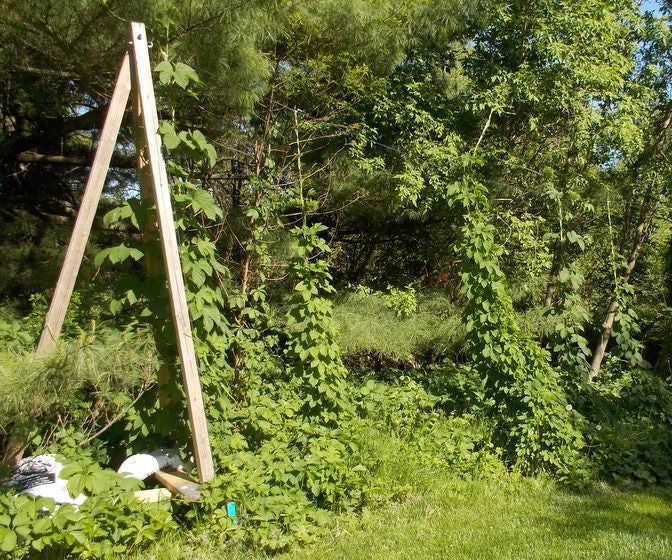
[142, 81]
[178, 485]
[87, 211]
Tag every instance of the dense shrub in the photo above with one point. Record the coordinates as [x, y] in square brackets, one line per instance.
[629, 425]
[289, 475]
[109, 522]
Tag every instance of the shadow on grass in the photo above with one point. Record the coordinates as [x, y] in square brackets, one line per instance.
[636, 513]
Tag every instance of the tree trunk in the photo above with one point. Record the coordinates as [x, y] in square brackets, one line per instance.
[552, 284]
[608, 324]
[605, 335]
[14, 446]
[646, 215]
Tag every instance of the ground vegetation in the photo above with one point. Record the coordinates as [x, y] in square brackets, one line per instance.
[420, 239]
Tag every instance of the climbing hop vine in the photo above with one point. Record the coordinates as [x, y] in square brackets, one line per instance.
[536, 426]
[312, 346]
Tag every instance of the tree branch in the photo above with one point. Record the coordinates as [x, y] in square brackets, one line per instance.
[121, 161]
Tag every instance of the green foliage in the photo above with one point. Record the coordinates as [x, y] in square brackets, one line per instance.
[406, 440]
[402, 408]
[626, 327]
[283, 470]
[13, 334]
[536, 429]
[403, 302]
[24, 521]
[286, 450]
[104, 526]
[180, 74]
[487, 164]
[289, 475]
[77, 392]
[190, 143]
[284, 463]
[628, 414]
[397, 327]
[312, 345]
[19, 334]
[565, 336]
[526, 257]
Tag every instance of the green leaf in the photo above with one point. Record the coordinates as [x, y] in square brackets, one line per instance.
[42, 525]
[200, 139]
[8, 540]
[116, 306]
[205, 147]
[183, 74]
[131, 297]
[23, 530]
[123, 212]
[165, 71]
[76, 484]
[187, 139]
[575, 238]
[211, 154]
[118, 254]
[165, 20]
[202, 201]
[171, 139]
[564, 275]
[68, 470]
[98, 482]
[78, 537]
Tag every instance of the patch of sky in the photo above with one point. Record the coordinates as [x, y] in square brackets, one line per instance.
[652, 6]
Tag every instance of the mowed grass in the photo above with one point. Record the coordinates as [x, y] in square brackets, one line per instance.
[512, 518]
[522, 520]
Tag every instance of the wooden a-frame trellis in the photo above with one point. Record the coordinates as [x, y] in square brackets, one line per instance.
[135, 77]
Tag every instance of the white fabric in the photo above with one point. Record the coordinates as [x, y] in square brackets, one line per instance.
[44, 465]
[32, 473]
[143, 465]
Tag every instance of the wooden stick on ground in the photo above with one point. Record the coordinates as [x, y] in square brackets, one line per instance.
[178, 485]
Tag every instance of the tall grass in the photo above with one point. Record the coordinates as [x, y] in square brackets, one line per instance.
[370, 327]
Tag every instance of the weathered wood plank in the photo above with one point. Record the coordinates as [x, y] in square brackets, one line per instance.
[142, 82]
[178, 485]
[153, 260]
[87, 211]
[152, 495]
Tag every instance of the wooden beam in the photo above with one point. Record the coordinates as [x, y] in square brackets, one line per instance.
[87, 211]
[153, 260]
[142, 81]
[178, 485]
[153, 495]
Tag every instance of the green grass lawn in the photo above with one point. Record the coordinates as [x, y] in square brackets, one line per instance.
[518, 519]
[523, 521]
